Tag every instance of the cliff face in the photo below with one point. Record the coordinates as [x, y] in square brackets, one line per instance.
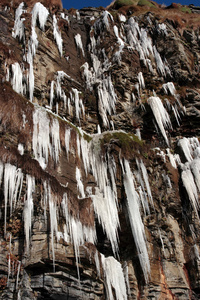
[100, 153]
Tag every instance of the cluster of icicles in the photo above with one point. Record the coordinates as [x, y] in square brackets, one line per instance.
[20, 82]
[46, 144]
[189, 164]
[129, 35]
[161, 115]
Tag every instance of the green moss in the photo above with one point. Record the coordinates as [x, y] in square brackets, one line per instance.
[186, 10]
[145, 2]
[120, 3]
[129, 143]
[145, 154]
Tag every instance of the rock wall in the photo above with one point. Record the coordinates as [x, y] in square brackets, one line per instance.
[100, 153]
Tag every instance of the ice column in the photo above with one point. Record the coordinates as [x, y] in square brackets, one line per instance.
[135, 219]
[18, 30]
[114, 276]
[28, 208]
[161, 116]
[17, 78]
[57, 35]
[13, 180]
[79, 43]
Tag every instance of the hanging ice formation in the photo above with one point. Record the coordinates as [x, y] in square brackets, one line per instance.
[135, 218]
[73, 99]
[13, 179]
[104, 22]
[121, 45]
[39, 13]
[17, 78]
[18, 30]
[190, 174]
[139, 40]
[46, 137]
[114, 276]
[169, 88]
[161, 116]
[74, 230]
[99, 75]
[57, 35]
[79, 44]
[141, 80]
[28, 208]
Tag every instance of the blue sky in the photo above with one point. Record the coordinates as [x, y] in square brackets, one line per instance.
[95, 3]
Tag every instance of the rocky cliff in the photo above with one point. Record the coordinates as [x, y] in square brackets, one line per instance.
[100, 151]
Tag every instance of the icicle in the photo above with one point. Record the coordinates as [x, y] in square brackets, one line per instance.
[135, 219]
[53, 222]
[1, 172]
[146, 179]
[98, 129]
[65, 17]
[161, 239]
[106, 211]
[159, 62]
[7, 72]
[97, 263]
[18, 272]
[78, 15]
[18, 30]
[77, 102]
[8, 280]
[79, 233]
[141, 80]
[28, 208]
[195, 168]
[188, 146]
[17, 78]
[138, 134]
[79, 43]
[41, 136]
[162, 29]
[126, 275]
[88, 75]
[57, 35]
[85, 155]
[171, 158]
[80, 185]
[103, 22]
[107, 99]
[161, 116]
[64, 205]
[20, 148]
[55, 134]
[13, 179]
[31, 73]
[67, 141]
[167, 180]
[78, 146]
[169, 87]
[44, 199]
[40, 12]
[190, 186]
[139, 40]
[176, 114]
[114, 276]
[120, 42]
[122, 18]
[52, 94]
